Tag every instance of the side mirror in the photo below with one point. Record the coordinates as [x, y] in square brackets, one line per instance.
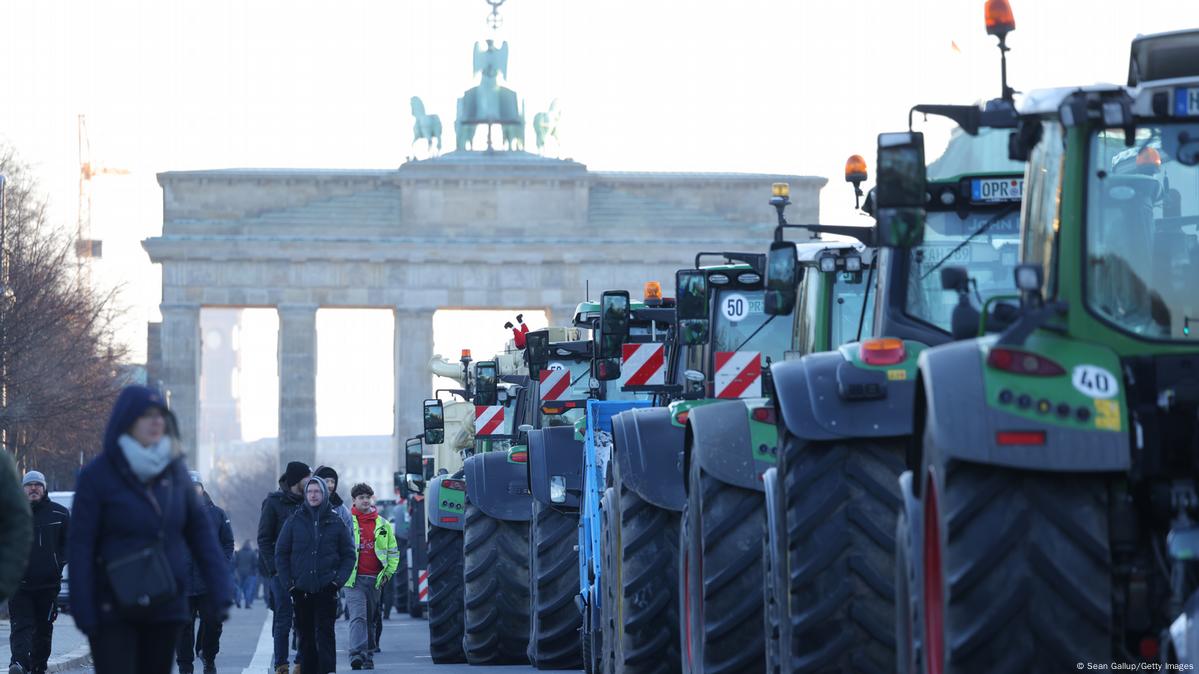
[901, 190]
[783, 275]
[537, 350]
[434, 422]
[485, 382]
[416, 483]
[614, 323]
[413, 458]
[605, 369]
[691, 306]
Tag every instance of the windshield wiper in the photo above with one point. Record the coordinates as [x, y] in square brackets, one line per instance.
[986, 225]
[755, 332]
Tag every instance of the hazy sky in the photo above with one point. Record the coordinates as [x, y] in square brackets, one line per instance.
[789, 86]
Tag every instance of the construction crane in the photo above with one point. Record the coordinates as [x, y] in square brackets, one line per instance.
[87, 248]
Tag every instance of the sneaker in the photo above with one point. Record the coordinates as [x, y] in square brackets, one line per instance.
[356, 662]
[370, 664]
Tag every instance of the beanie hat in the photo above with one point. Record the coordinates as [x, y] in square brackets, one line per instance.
[326, 472]
[33, 476]
[296, 471]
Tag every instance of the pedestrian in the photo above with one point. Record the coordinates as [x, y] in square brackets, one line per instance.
[16, 528]
[339, 507]
[208, 640]
[135, 520]
[377, 559]
[245, 564]
[314, 557]
[276, 509]
[33, 608]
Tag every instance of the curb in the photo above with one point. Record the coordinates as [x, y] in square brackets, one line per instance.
[77, 658]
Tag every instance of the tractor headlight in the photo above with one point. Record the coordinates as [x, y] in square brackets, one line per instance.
[558, 489]
[853, 263]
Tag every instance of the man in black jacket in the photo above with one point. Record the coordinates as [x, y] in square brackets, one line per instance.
[33, 607]
[209, 638]
[277, 507]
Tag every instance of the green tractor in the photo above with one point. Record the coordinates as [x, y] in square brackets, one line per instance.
[1052, 496]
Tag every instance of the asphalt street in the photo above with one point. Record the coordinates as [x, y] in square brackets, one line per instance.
[246, 647]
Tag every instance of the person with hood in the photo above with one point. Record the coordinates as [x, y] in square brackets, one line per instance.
[32, 608]
[208, 641]
[314, 558]
[376, 560]
[276, 509]
[339, 506]
[135, 521]
[245, 568]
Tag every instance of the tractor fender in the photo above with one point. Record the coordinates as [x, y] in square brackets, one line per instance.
[499, 487]
[718, 437]
[961, 425]
[813, 407]
[648, 450]
[444, 508]
[555, 451]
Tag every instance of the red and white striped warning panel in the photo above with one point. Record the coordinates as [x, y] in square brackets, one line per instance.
[423, 586]
[738, 374]
[643, 364]
[488, 419]
[555, 385]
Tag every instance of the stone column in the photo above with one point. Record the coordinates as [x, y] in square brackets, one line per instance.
[180, 342]
[297, 383]
[413, 381]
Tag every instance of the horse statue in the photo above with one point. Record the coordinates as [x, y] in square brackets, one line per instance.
[545, 125]
[488, 103]
[427, 127]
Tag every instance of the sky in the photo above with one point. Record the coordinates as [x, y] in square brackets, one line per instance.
[789, 86]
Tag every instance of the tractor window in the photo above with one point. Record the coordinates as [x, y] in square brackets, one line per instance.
[1042, 197]
[740, 323]
[1142, 230]
[849, 291]
[985, 241]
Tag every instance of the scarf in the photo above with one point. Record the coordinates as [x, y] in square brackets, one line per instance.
[147, 463]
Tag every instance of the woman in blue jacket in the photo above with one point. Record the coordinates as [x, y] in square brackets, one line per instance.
[134, 496]
[314, 557]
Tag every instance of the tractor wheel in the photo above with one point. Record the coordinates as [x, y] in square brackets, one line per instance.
[445, 596]
[843, 498]
[496, 575]
[609, 580]
[907, 617]
[720, 574]
[1016, 569]
[647, 636]
[553, 585]
[399, 582]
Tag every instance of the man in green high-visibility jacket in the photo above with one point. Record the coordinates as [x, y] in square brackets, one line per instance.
[378, 557]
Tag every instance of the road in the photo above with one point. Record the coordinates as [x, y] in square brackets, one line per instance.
[246, 647]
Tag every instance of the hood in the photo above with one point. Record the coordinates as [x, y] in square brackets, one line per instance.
[131, 404]
[325, 506]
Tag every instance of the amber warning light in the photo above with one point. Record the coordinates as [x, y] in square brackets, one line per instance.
[855, 169]
[653, 290]
[999, 17]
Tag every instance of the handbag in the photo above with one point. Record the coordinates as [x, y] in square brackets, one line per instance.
[143, 580]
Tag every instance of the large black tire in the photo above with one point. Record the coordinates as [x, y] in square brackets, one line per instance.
[496, 580]
[553, 585]
[1024, 570]
[446, 624]
[720, 589]
[842, 501]
[609, 579]
[647, 604]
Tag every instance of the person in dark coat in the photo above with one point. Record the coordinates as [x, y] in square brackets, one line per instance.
[314, 558]
[133, 495]
[16, 528]
[208, 640]
[276, 508]
[33, 607]
[245, 568]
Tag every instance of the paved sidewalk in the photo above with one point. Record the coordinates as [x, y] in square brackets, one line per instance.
[70, 646]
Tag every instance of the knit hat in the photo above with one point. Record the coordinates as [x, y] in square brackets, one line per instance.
[326, 472]
[296, 471]
[33, 476]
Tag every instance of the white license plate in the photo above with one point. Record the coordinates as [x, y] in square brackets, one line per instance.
[1186, 102]
[994, 190]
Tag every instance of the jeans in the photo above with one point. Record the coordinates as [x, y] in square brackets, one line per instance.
[363, 603]
[125, 648]
[316, 614]
[248, 587]
[281, 621]
[32, 613]
[209, 638]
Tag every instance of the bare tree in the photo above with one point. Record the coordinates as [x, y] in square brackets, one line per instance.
[64, 366]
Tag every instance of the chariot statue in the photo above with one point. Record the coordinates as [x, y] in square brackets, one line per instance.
[489, 103]
[427, 127]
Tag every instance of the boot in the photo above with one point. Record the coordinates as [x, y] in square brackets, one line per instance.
[209, 668]
[356, 662]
